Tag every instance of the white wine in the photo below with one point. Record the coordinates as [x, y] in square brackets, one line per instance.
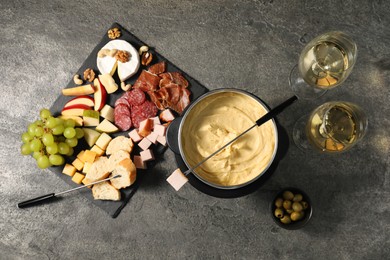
[324, 65]
[327, 60]
[336, 126]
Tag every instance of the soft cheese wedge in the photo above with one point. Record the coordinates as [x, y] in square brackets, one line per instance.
[107, 64]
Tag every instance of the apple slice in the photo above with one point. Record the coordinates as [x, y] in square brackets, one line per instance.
[107, 127]
[80, 90]
[100, 95]
[75, 110]
[81, 100]
[91, 118]
[77, 119]
[107, 112]
[108, 82]
[91, 136]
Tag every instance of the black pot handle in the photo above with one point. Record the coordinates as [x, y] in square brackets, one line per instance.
[173, 135]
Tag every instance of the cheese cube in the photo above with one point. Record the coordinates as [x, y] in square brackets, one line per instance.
[80, 156]
[159, 130]
[147, 155]
[78, 177]
[103, 141]
[107, 112]
[96, 149]
[139, 164]
[152, 137]
[89, 156]
[133, 134]
[145, 144]
[177, 179]
[162, 140]
[69, 170]
[78, 164]
[156, 121]
[86, 167]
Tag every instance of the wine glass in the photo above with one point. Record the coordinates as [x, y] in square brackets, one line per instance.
[331, 128]
[324, 63]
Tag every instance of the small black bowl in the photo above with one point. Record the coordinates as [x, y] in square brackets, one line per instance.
[294, 224]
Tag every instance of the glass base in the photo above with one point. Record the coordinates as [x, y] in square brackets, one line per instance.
[301, 89]
[299, 134]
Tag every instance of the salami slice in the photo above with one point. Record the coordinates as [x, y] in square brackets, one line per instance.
[149, 109]
[122, 117]
[135, 97]
[137, 116]
[122, 101]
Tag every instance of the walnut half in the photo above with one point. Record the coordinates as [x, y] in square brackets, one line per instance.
[114, 33]
[122, 56]
[89, 75]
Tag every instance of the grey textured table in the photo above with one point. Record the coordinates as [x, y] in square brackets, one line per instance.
[244, 44]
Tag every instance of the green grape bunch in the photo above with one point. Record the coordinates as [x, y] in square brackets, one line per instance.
[49, 139]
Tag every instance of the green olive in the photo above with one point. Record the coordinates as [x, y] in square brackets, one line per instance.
[286, 219]
[288, 195]
[295, 216]
[297, 206]
[287, 204]
[279, 202]
[279, 213]
[297, 197]
[304, 204]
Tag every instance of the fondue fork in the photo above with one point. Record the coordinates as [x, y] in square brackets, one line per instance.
[177, 179]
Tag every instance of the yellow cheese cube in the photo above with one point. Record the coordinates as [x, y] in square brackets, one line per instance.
[80, 156]
[69, 170]
[103, 141]
[78, 177]
[89, 156]
[78, 164]
[87, 166]
[97, 150]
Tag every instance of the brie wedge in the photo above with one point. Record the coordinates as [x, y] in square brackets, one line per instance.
[108, 65]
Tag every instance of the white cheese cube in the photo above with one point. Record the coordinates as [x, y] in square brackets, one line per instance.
[177, 179]
[147, 155]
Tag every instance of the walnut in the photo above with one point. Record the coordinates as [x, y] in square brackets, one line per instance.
[146, 58]
[89, 75]
[122, 56]
[114, 33]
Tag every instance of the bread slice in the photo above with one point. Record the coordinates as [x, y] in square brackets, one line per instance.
[99, 170]
[105, 191]
[128, 172]
[120, 143]
[116, 157]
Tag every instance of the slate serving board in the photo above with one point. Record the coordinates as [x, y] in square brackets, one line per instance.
[113, 208]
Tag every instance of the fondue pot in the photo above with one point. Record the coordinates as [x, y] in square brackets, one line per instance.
[176, 135]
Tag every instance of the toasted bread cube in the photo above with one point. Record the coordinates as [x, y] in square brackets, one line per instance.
[96, 149]
[162, 140]
[133, 134]
[103, 141]
[78, 177]
[87, 166]
[145, 127]
[89, 156]
[69, 170]
[78, 164]
[80, 156]
[147, 155]
[152, 137]
[166, 115]
[159, 130]
[145, 144]
[139, 164]
[177, 179]
[156, 121]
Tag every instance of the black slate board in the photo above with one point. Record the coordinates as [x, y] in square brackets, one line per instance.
[113, 208]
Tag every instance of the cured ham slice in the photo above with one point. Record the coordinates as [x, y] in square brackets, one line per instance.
[158, 68]
[147, 81]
